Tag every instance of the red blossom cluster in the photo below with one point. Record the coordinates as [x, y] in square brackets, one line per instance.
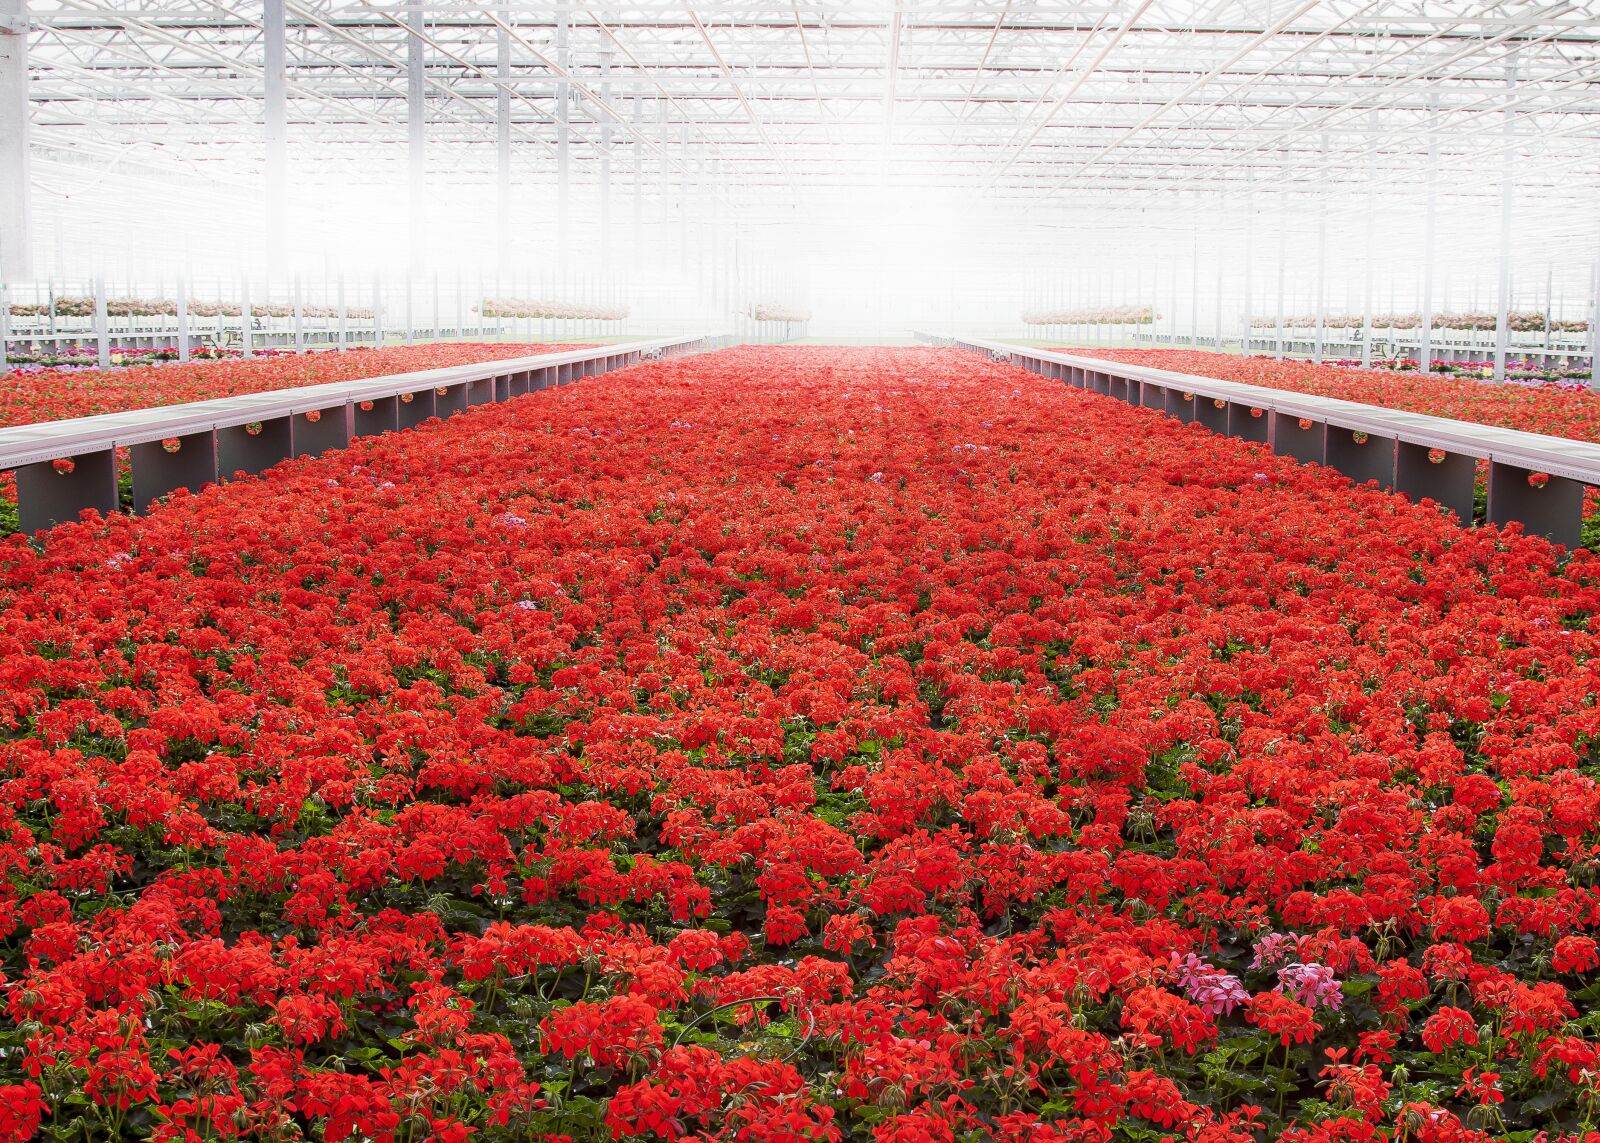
[799, 744]
[1560, 411]
[28, 397]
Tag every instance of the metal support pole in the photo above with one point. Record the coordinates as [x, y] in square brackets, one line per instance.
[1322, 281]
[638, 177]
[563, 141]
[411, 323]
[1221, 281]
[16, 189]
[183, 320]
[1502, 321]
[344, 319]
[1194, 290]
[605, 166]
[416, 133]
[275, 78]
[299, 318]
[683, 199]
[1425, 332]
[246, 319]
[1283, 261]
[663, 183]
[502, 144]
[1249, 266]
[1594, 323]
[1172, 319]
[102, 326]
[1366, 297]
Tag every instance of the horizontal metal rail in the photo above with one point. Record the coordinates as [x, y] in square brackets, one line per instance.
[65, 467]
[1533, 479]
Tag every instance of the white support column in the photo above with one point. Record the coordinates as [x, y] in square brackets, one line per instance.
[637, 148]
[605, 166]
[1425, 331]
[1283, 262]
[1502, 321]
[1320, 319]
[1172, 319]
[563, 143]
[16, 192]
[299, 317]
[1318, 353]
[1221, 272]
[416, 136]
[246, 320]
[1249, 267]
[1594, 322]
[663, 181]
[1366, 296]
[683, 199]
[502, 144]
[1194, 287]
[102, 326]
[1549, 302]
[183, 320]
[276, 122]
[411, 313]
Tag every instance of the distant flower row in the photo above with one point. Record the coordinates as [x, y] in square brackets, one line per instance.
[76, 359]
[28, 396]
[1106, 315]
[1520, 321]
[1561, 410]
[777, 311]
[561, 311]
[1523, 371]
[72, 306]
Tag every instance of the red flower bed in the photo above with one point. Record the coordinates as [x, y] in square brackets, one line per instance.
[798, 745]
[27, 396]
[1557, 410]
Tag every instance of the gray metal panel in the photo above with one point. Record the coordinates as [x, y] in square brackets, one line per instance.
[47, 496]
[156, 471]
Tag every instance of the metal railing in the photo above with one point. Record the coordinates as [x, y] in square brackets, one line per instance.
[1535, 480]
[65, 467]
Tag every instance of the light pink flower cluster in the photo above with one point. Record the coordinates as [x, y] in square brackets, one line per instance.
[1215, 992]
[1313, 985]
[1275, 949]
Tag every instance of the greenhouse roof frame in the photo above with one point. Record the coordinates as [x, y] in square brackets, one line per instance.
[776, 107]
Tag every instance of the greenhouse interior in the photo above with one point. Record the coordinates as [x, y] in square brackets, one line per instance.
[912, 571]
